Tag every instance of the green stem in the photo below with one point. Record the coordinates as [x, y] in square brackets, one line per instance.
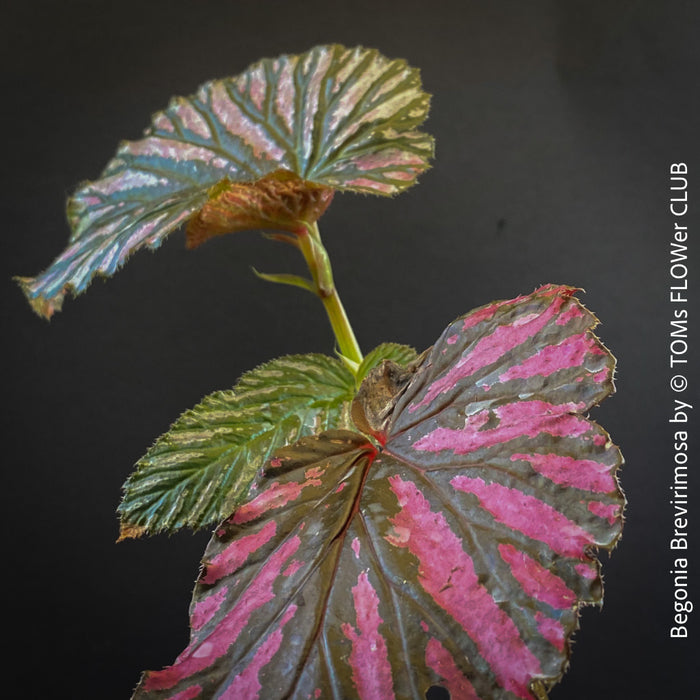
[319, 265]
[347, 343]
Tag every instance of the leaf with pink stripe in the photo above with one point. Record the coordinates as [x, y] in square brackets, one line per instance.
[263, 149]
[493, 443]
[455, 547]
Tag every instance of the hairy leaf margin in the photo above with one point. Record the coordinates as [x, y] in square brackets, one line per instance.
[332, 117]
[198, 471]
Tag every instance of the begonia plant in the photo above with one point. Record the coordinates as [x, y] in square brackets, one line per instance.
[383, 523]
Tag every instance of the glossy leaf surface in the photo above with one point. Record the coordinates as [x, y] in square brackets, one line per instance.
[456, 553]
[334, 118]
[196, 472]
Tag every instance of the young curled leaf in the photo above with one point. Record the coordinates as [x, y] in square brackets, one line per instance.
[331, 118]
[401, 355]
[280, 201]
[456, 550]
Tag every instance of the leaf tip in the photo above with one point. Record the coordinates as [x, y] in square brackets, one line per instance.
[41, 305]
[127, 532]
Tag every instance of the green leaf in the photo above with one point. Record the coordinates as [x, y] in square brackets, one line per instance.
[284, 278]
[395, 352]
[332, 118]
[201, 468]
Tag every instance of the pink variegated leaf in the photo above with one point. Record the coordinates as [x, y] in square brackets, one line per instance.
[455, 549]
[264, 149]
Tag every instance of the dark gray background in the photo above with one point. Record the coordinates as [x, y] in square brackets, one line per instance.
[555, 125]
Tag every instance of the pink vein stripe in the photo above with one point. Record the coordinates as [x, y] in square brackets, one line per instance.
[440, 661]
[536, 581]
[574, 311]
[528, 515]
[522, 419]
[485, 314]
[446, 573]
[247, 683]
[585, 474]
[201, 654]
[608, 511]
[475, 317]
[187, 694]
[570, 353]
[551, 630]
[205, 609]
[276, 495]
[234, 555]
[491, 348]
[369, 658]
